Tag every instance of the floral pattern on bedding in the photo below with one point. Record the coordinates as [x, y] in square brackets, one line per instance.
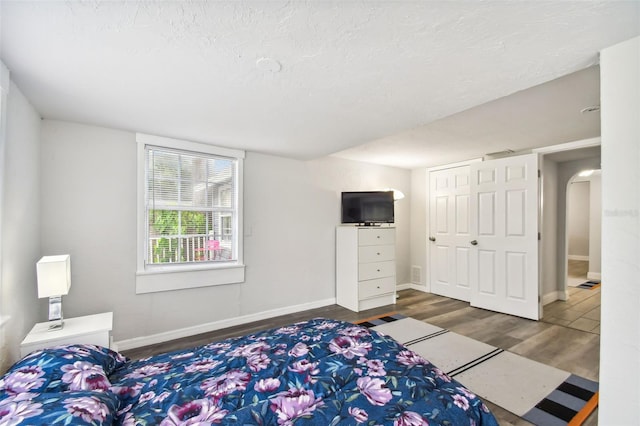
[62, 368]
[319, 372]
[59, 408]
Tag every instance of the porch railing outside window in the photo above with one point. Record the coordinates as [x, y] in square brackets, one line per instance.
[191, 202]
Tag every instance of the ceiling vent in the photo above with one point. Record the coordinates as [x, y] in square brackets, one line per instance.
[499, 154]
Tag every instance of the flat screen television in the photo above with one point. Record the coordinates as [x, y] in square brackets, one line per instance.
[367, 207]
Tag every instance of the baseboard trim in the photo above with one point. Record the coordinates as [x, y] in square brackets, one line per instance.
[594, 275]
[153, 339]
[578, 257]
[552, 297]
[411, 286]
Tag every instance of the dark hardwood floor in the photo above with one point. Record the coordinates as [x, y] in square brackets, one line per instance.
[567, 348]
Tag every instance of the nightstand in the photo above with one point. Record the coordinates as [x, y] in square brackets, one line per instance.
[90, 329]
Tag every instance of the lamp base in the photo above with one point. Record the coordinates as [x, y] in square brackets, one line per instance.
[55, 313]
[56, 325]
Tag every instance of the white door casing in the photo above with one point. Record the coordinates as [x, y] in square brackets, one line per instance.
[504, 226]
[449, 226]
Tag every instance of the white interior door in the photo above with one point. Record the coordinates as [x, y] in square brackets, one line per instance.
[504, 226]
[449, 226]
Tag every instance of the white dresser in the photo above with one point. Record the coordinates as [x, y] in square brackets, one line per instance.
[365, 267]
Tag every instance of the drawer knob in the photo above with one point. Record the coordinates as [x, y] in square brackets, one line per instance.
[378, 236]
[378, 254]
[378, 270]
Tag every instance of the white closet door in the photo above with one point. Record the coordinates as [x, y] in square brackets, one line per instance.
[450, 247]
[504, 230]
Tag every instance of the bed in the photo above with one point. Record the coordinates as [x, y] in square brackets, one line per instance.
[317, 372]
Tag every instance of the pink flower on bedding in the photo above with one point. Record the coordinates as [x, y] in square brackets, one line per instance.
[374, 390]
[349, 347]
[196, 412]
[83, 351]
[23, 380]
[411, 359]
[82, 375]
[258, 362]
[441, 375]
[326, 325]
[130, 391]
[355, 331]
[88, 408]
[202, 366]
[164, 395]
[267, 385]
[218, 347]
[249, 350]
[358, 414]
[14, 411]
[147, 396]
[293, 404]
[461, 402]
[304, 365]
[293, 329]
[376, 367]
[300, 349]
[229, 382]
[126, 409]
[466, 392]
[128, 420]
[410, 418]
[149, 370]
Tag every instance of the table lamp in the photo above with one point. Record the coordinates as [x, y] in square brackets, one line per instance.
[54, 281]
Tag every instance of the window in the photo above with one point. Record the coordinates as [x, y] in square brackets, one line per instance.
[189, 215]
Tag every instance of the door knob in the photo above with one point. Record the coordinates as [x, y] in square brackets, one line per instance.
[432, 238]
[474, 243]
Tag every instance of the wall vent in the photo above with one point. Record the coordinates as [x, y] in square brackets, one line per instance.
[416, 274]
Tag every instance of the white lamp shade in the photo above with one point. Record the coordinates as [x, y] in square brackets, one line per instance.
[54, 275]
[397, 195]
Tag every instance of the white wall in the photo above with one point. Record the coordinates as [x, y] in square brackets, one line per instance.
[595, 227]
[419, 224]
[578, 225]
[566, 170]
[291, 209]
[620, 319]
[548, 243]
[20, 242]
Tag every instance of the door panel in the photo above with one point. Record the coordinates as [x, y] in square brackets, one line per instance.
[504, 267]
[462, 214]
[486, 272]
[442, 215]
[516, 213]
[450, 227]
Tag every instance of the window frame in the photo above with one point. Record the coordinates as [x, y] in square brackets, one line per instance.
[165, 277]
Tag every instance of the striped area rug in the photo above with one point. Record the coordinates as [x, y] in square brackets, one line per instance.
[540, 394]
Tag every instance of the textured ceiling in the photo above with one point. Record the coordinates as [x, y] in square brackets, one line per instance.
[544, 115]
[299, 79]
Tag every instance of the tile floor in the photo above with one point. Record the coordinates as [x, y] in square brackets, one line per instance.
[582, 310]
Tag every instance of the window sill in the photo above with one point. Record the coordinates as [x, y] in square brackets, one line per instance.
[180, 278]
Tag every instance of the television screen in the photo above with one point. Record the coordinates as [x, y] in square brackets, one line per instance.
[367, 207]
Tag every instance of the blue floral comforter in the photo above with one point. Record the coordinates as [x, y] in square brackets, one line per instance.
[318, 372]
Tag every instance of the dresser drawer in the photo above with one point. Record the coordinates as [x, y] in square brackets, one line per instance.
[370, 271]
[368, 254]
[376, 236]
[373, 288]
